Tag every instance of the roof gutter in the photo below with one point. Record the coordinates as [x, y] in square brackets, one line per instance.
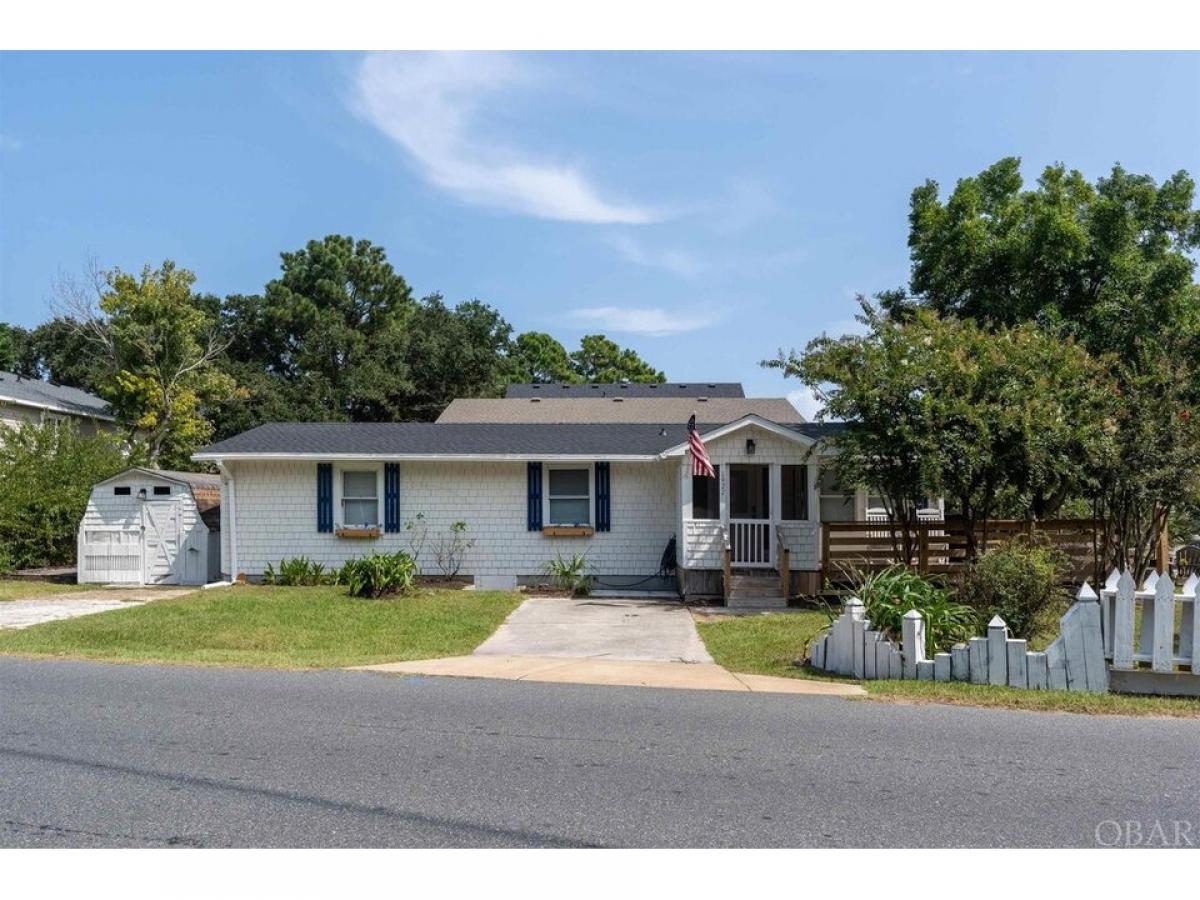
[52, 407]
[219, 457]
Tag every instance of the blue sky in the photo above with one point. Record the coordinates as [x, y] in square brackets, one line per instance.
[706, 209]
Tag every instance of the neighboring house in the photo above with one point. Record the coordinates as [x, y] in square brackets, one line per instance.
[551, 469]
[152, 526]
[30, 401]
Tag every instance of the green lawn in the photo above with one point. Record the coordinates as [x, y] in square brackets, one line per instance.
[281, 627]
[768, 644]
[13, 589]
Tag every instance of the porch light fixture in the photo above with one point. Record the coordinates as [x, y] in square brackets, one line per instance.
[750, 446]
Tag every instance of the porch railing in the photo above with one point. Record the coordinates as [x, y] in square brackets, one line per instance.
[751, 542]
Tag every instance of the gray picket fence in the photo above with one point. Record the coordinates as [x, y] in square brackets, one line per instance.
[1075, 661]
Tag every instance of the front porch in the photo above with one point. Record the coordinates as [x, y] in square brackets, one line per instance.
[751, 536]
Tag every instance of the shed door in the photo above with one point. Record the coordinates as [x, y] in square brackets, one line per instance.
[160, 519]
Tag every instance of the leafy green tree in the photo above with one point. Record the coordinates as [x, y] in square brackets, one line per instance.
[945, 407]
[12, 340]
[161, 346]
[46, 475]
[61, 351]
[599, 359]
[1109, 262]
[332, 324]
[538, 358]
[450, 352]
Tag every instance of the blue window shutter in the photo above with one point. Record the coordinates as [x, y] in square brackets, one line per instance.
[603, 506]
[391, 497]
[324, 496]
[534, 510]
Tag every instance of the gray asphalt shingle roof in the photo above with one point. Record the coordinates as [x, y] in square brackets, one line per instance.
[669, 389]
[43, 394]
[449, 439]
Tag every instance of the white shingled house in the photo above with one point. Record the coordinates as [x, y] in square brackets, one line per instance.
[28, 401]
[152, 526]
[550, 469]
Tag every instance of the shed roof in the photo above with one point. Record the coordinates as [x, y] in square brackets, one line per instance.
[55, 397]
[205, 488]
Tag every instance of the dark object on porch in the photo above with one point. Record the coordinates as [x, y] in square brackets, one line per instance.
[666, 565]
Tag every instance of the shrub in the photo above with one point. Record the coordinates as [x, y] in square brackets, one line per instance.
[570, 574]
[887, 595]
[299, 571]
[1018, 581]
[379, 574]
[46, 476]
[450, 548]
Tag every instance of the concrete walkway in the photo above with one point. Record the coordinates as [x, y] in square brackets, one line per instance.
[599, 628]
[610, 641]
[36, 610]
[631, 673]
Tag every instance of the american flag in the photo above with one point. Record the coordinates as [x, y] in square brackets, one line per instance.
[701, 464]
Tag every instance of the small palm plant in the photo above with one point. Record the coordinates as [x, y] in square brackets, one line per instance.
[570, 573]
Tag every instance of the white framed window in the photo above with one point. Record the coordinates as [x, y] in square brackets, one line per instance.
[359, 496]
[568, 493]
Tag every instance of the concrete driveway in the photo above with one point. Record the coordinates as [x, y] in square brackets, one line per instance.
[610, 641]
[36, 610]
[599, 628]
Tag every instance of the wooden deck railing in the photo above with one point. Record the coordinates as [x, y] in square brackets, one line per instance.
[941, 547]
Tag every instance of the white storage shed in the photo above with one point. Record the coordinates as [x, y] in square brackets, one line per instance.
[152, 526]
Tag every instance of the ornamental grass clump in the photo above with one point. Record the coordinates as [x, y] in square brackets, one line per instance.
[888, 594]
[379, 574]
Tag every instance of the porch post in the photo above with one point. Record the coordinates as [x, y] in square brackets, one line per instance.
[723, 472]
[685, 511]
[775, 495]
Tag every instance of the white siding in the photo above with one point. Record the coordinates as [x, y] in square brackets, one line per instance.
[703, 546]
[122, 515]
[277, 517]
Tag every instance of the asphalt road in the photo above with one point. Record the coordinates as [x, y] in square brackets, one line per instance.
[114, 756]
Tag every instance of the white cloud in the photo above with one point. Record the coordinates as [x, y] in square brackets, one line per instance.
[427, 104]
[670, 259]
[652, 322]
[806, 402]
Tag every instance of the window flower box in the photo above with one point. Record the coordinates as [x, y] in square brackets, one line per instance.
[358, 531]
[568, 530]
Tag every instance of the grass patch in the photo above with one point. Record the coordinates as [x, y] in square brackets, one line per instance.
[278, 627]
[767, 645]
[16, 589]
[959, 694]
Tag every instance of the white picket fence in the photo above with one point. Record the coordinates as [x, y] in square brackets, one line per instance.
[1166, 641]
[1074, 662]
